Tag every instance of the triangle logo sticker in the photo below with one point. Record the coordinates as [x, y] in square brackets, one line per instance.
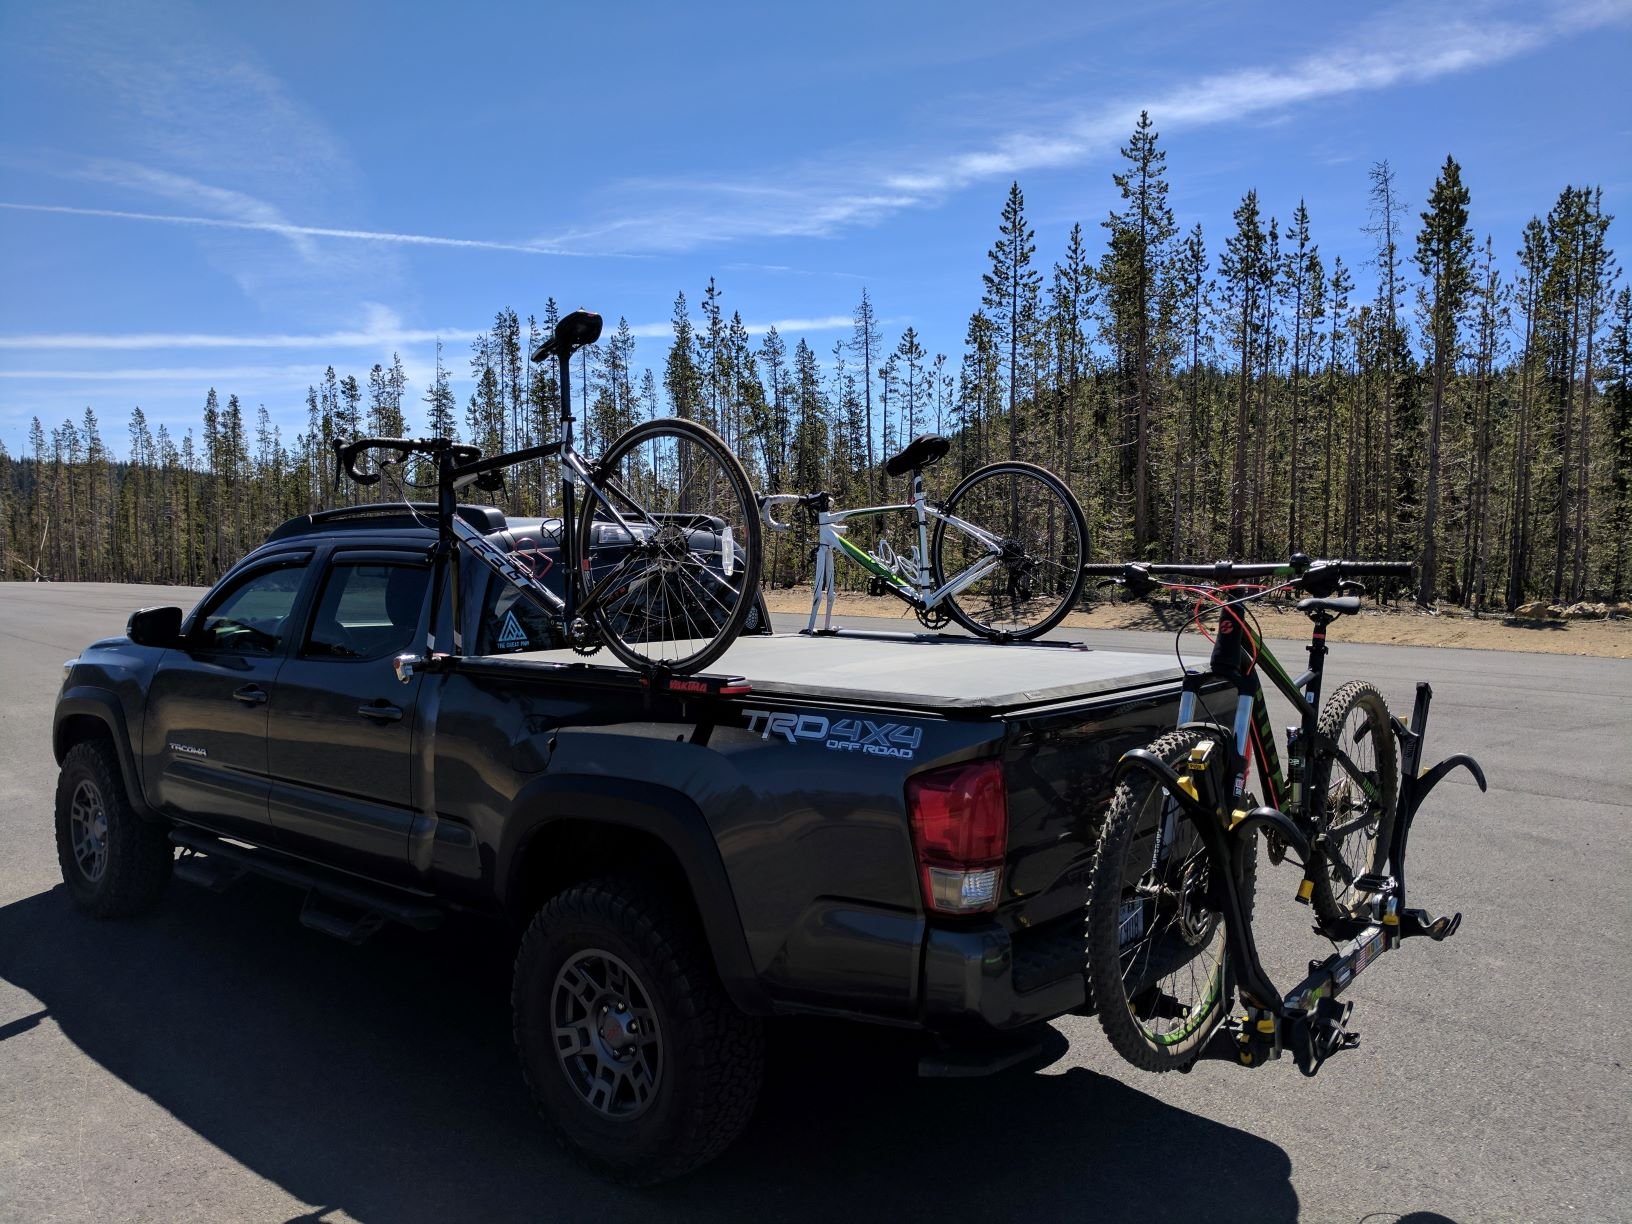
[512, 636]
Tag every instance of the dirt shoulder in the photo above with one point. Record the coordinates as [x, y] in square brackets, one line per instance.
[1611, 639]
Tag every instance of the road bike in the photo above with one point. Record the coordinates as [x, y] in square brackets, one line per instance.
[663, 567]
[1002, 556]
[1173, 875]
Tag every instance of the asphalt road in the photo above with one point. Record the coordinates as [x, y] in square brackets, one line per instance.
[216, 1061]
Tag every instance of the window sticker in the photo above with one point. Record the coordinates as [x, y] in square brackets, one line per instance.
[512, 636]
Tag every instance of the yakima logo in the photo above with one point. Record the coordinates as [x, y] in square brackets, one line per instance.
[839, 735]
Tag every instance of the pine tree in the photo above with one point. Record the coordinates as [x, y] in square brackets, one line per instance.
[865, 342]
[1245, 268]
[680, 378]
[1140, 236]
[1012, 286]
[1445, 259]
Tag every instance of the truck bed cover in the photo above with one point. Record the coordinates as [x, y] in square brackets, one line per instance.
[919, 671]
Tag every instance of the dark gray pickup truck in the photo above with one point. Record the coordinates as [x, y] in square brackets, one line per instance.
[886, 829]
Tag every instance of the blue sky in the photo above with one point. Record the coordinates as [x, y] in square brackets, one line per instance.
[237, 196]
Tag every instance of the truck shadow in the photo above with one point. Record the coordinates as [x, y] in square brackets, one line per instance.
[381, 1081]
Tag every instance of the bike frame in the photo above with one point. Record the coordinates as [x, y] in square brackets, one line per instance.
[915, 587]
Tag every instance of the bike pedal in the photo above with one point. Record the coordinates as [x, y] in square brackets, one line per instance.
[1374, 883]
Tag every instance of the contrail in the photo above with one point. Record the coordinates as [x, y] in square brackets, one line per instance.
[313, 231]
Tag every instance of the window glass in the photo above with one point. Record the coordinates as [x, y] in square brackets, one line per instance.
[512, 622]
[253, 616]
[368, 610]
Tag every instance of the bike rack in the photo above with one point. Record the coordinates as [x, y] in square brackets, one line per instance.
[1308, 1019]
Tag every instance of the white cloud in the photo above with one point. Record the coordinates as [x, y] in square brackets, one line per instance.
[1407, 45]
[192, 376]
[383, 331]
[286, 229]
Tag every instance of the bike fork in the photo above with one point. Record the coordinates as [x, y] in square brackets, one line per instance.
[822, 583]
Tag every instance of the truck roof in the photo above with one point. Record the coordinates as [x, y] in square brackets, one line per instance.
[918, 671]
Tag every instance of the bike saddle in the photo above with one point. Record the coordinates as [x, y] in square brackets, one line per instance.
[579, 328]
[921, 452]
[1340, 605]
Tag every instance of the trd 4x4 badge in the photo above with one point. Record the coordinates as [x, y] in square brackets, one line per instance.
[840, 735]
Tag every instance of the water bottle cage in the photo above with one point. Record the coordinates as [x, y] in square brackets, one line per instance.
[906, 567]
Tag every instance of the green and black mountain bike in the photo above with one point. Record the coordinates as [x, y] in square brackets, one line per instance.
[1172, 884]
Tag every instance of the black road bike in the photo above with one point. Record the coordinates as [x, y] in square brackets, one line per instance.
[674, 568]
[1173, 878]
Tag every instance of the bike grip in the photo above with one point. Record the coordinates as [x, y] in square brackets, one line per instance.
[1378, 569]
[1104, 569]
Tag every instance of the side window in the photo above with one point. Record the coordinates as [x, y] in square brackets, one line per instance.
[512, 622]
[368, 610]
[252, 617]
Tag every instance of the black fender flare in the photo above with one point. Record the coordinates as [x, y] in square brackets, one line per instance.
[657, 811]
[87, 702]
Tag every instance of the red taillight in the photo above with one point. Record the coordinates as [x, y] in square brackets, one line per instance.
[960, 829]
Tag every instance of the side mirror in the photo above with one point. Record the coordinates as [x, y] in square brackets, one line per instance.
[155, 627]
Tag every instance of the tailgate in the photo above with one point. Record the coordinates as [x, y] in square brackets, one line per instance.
[1057, 765]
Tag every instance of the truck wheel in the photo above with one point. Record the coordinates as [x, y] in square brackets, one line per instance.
[635, 1056]
[115, 863]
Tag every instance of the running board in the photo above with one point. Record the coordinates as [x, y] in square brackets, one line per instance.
[343, 906]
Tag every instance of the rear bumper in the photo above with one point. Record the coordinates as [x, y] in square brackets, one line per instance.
[983, 976]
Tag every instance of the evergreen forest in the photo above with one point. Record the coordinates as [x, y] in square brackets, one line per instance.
[1206, 395]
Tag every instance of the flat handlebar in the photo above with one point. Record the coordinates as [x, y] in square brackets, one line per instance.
[1316, 576]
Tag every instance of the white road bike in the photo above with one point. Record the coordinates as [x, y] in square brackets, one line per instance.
[1002, 556]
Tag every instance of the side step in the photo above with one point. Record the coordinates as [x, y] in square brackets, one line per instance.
[336, 904]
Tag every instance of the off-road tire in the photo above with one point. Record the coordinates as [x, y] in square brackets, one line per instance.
[136, 855]
[1327, 901]
[1105, 884]
[713, 1053]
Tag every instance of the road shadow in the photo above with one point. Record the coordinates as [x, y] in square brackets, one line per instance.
[381, 1080]
[1525, 622]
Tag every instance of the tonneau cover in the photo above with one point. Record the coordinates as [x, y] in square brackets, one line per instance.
[924, 671]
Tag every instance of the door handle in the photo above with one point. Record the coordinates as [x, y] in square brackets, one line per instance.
[250, 694]
[381, 711]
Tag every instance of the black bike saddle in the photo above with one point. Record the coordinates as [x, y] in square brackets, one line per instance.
[921, 452]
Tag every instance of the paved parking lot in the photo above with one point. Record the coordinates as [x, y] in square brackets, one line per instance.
[216, 1061]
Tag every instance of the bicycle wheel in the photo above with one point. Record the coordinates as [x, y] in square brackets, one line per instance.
[1044, 540]
[1360, 802]
[1157, 954]
[671, 584]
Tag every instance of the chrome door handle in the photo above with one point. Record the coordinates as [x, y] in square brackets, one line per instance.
[386, 713]
[250, 694]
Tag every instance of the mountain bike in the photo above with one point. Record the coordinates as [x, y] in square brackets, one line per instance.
[1173, 875]
[668, 509]
[1002, 556]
